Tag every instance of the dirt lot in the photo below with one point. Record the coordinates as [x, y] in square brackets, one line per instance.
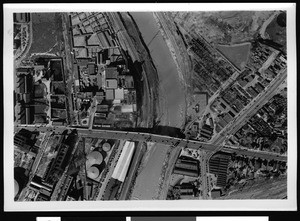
[47, 33]
[236, 54]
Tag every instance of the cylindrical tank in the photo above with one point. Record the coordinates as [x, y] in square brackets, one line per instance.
[106, 146]
[94, 157]
[93, 172]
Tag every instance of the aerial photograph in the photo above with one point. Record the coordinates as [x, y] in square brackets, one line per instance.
[150, 105]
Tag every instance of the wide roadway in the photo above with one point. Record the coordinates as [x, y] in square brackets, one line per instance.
[148, 137]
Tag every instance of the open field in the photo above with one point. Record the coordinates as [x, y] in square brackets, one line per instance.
[236, 54]
[222, 27]
[47, 33]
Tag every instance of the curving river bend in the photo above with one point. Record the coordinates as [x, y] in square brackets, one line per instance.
[172, 102]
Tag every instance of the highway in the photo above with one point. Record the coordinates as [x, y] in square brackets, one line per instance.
[156, 138]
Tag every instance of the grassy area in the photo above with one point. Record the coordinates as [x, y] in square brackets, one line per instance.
[47, 31]
[275, 188]
[276, 32]
[236, 54]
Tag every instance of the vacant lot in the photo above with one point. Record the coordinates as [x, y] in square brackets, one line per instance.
[236, 54]
[47, 32]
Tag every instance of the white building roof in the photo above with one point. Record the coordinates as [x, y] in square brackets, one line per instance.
[124, 161]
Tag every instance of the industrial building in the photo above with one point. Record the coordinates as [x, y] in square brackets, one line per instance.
[218, 165]
[187, 166]
[122, 166]
[25, 140]
[60, 162]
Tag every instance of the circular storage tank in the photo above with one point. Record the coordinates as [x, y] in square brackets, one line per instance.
[106, 147]
[93, 172]
[94, 157]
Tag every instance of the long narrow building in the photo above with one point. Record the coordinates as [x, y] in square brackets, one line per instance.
[124, 161]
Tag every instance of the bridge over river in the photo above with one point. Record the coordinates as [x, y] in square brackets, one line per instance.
[155, 138]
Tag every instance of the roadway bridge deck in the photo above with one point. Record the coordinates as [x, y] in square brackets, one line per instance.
[155, 138]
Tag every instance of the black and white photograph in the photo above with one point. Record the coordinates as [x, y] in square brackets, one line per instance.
[150, 106]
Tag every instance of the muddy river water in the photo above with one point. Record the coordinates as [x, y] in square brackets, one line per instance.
[171, 96]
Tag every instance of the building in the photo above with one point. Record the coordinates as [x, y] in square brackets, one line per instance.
[91, 69]
[42, 197]
[128, 108]
[109, 94]
[119, 94]
[111, 73]
[101, 122]
[65, 187]
[216, 193]
[122, 166]
[111, 83]
[58, 164]
[218, 165]
[126, 81]
[102, 108]
[186, 189]
[195, 129]
[93, 40]
[79, 41]
[206, 131]
[187, 166]
[25, 140]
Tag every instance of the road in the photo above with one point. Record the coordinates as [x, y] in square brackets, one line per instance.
[148, 137]
[233, 126]
[68, 65]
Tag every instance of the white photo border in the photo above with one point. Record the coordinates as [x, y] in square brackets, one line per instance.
[289, 204]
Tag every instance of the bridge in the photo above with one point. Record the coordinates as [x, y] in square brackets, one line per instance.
[155, 138]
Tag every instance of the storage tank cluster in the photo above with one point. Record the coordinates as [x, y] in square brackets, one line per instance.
[95, 161]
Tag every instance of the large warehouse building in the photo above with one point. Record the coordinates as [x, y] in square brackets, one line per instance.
[124, 161]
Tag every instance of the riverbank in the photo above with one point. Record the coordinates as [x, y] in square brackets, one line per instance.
[150, 104]
[158, 162]
[171, 93]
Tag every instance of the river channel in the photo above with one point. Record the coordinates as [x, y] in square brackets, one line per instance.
[171, 91]
[172, 99]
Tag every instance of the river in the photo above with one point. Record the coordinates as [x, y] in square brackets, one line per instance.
[171, 92]
[172, 101]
